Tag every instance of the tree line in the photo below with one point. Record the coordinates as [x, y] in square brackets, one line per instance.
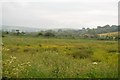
[70, 33]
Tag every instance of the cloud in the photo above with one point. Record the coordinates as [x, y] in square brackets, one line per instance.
[61, 14]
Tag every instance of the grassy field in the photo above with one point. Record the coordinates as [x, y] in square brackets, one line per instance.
[32, 57]
[110, 34]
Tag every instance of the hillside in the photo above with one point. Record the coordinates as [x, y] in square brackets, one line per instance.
[109, 34]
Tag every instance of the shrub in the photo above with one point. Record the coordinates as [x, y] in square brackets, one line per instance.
[49, 34]
[40, 34]
[3, 36]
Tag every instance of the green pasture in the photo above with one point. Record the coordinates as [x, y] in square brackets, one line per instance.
[36, 57]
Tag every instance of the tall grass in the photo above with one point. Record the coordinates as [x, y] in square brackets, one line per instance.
[59, 58]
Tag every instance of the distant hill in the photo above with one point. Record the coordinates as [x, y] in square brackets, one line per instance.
[32, 29]
[93, 31]
[24, 29]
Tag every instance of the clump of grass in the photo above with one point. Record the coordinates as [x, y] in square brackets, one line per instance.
[68, 48]
[40, 45]
[14, 49]
[112, 51]
[26, 50]
[56, 72]
[17, 44]
[37, 50]
[55, 49]
[84, 53]
[28, 45]
[95, 60]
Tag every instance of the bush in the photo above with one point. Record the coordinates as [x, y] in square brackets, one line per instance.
[40, 34]
[49, 34]
[3, 36]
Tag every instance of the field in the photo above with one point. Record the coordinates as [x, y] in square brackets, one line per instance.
[110, 34]
[36, 57]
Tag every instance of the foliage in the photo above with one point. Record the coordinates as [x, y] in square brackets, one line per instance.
[71, 33]
[49, 34]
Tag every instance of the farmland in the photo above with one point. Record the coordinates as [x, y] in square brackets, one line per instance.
[38, 57]
[109, 34]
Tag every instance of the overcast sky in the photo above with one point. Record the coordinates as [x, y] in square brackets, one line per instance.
[60, 13]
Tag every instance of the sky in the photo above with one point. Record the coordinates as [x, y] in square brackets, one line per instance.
[59, 13]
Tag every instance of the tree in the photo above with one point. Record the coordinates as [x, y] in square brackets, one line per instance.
[23, 33]
[106, 26]
[7, 32]
[83, 28]
[99, 27]
[49, 34]
[40, 34]
[18, 32]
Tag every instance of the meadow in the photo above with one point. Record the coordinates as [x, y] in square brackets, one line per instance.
[36, 57]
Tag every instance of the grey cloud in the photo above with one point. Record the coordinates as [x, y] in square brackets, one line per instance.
[60, 14]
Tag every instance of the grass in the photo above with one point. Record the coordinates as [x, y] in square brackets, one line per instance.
[109, 34]
[32, 57]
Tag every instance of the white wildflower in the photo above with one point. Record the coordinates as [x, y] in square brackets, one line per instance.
[2, 44]
[12, 57]
[94, 63]
[117, 53]
[7, 49]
